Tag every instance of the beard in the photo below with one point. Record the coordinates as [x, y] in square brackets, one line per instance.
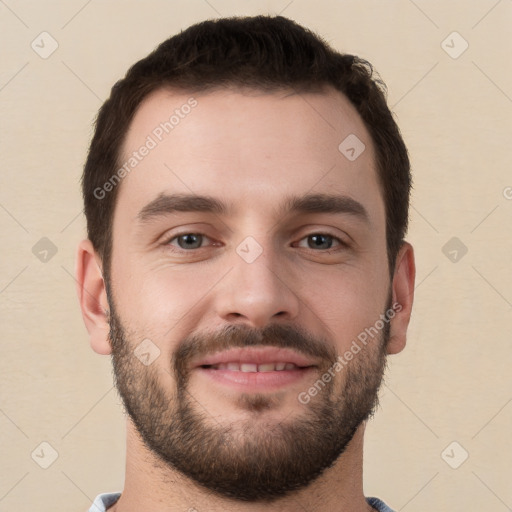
[253, 461]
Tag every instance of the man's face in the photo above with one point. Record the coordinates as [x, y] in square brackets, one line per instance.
[249, 305]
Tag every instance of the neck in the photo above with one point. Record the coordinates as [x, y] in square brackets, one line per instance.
[152, 486]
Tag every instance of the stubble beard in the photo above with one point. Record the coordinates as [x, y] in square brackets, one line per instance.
[251, 461]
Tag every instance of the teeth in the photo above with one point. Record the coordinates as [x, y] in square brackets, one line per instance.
[252, 367]
[248, 367]
[270, 367]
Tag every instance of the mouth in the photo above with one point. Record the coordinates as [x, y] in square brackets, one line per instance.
[256, 369]
[253, 367]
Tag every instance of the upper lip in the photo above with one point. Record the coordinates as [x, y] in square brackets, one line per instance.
[255, 355]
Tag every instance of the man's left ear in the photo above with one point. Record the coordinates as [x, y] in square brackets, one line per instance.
[403, 296]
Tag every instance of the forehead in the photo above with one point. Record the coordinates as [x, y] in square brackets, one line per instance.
[249, 148]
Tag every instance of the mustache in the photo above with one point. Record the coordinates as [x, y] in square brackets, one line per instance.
[240, 336]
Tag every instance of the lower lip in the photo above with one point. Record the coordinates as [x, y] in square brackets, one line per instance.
[256, 381]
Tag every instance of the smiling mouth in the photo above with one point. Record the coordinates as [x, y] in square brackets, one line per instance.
[255, 369]
[252, 367]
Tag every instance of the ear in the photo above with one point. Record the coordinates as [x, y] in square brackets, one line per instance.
[92, 296]
[403, 296]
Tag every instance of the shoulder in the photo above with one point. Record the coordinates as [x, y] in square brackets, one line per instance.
[378, 505]
[103, 501]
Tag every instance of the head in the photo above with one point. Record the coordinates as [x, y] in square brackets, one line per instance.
[246, 192]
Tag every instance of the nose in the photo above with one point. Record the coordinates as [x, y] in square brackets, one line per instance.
[258, 292]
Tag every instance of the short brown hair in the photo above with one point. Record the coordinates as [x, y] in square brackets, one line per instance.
[267, 53]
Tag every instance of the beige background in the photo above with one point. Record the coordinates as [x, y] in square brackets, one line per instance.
[453, 381]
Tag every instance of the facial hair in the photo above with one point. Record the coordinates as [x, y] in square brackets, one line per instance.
[249, 461]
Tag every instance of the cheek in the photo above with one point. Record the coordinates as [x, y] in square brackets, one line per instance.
[160, 302]
[349, 303]
[149, 288]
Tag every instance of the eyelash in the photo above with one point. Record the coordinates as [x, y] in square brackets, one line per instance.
[341, 243]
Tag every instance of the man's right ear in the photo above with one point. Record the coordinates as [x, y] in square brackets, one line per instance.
[92, 296]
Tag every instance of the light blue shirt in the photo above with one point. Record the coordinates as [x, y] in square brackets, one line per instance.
[105, 500]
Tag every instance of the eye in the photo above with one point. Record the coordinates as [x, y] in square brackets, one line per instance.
[187, 241]
[321, 241]
[315, 241]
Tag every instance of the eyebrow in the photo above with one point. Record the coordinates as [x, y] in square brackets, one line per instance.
[166, 204]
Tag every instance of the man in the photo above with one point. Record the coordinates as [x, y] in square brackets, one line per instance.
[246, 194]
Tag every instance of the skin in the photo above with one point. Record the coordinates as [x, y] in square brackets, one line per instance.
[250, 150]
